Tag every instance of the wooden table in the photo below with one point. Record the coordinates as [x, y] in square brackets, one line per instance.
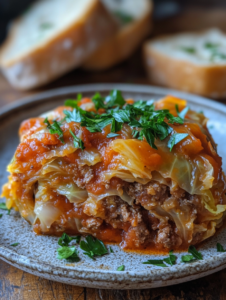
[18, 285]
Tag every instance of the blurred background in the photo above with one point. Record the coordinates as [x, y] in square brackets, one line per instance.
[167, 17]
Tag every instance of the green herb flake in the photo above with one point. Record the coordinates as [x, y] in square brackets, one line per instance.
[171, 260]
[45, 25]
[111, 135]
[69, 253]
[195, 253]
[15, 244]
[78, 143]
[93, 247]
[1, 216]
[187, 258]
[65, 240]
[220, 248]
[54, 128]
[111, 250]
[211, 46]
[73, 103]
[123, 17]
[9, 211]
[175, 139]
[183, 113]
[155, 262]
[189, 50]
[3, 206]
[121, 268]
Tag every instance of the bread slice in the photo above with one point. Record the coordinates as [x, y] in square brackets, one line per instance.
[193, 62]
[53, 37]
[134, 17]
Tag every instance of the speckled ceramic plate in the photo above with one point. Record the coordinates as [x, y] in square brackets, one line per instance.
[37, 254]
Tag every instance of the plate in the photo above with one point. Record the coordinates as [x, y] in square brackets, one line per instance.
[37, 254]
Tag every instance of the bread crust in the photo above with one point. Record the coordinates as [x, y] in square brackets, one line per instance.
[54, 58]
[122, 44]
[205, 80]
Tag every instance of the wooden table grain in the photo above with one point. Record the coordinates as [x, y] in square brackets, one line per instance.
[18, 285]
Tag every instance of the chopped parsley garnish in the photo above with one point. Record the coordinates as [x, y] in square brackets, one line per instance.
[187, 258]
[175, 139]
[183, 113]
[65, 251]
[111, 251]
[195, 255]
[155, 262]
[121, 268]
[111, 135]
[1, 215]
[190, 50]
[78, 143]
[147, 123]
[15, 244]
[46, 25]
[3, 207]
[171, 260]
[93, 247]
[65, 239]
[220, 248]
[123, 17]
[73, 103]
[54, 128]
[69, 253]
[210, 45]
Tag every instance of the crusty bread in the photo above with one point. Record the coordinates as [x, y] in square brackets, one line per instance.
[193, 62]
[53, 37]
[135, 19]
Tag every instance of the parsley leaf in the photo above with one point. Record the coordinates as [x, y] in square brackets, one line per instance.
[194, 252]
[15, 244]
[190, 50]
[115, 99]
[111, 250]
[220, 248]
[187, 258]
[171, 260]
[3, 206]
[54, 128]
[78, 143]
[121, 268]
[123, 17]
[1, 215]
[210, 45]
[175, 139]
[183, 113]
[70, 253]
[93, 247]
[65, 239]
[73, 103]
[98, 101]
[73, 116]
[155, 262]
[111, 135]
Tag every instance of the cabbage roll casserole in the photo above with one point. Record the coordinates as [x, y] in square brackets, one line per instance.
[138, 173]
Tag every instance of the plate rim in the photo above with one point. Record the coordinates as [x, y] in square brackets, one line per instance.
[146, 276]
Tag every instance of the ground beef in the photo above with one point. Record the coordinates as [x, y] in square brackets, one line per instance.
[139, 221]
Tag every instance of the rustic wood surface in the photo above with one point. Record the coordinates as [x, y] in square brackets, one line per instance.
[18, 285]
